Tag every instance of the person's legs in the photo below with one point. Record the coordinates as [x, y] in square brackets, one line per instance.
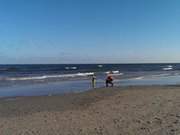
[112, 84]
[93, 83]
[107, 83]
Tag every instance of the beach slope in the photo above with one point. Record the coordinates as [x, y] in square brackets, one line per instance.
[136, 110]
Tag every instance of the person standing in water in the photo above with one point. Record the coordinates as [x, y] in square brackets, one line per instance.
[93, 81]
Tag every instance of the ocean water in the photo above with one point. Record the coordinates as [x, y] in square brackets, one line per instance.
[30, 80]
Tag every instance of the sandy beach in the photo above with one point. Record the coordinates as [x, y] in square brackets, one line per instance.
[135, 110]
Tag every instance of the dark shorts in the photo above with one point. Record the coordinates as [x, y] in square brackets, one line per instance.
[109, 81]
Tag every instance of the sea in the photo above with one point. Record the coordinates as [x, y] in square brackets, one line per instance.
[51, 79]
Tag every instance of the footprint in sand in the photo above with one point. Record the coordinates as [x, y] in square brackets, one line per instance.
[158, 120]
[178, 116]
[137, 121]
[176, 122]
[149, 122]
[29, 132]
[169, 100]
[116, 121]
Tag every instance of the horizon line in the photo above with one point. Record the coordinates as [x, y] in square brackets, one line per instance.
[90, 63]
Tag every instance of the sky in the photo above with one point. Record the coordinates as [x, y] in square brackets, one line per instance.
[89, 31]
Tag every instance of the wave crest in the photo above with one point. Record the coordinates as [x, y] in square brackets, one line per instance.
[49, 76]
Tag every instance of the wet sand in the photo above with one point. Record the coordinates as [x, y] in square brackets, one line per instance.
[136, 110]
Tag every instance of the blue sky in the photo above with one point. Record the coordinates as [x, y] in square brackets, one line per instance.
[89, 31]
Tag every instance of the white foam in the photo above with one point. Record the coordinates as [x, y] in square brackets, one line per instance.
[70, 68]
[26, 78]
[117, 74]
[50, 76]
[113, 72]
[67, 68]
[139, 78]
[168, 67]
[74, 68]
[100, 66]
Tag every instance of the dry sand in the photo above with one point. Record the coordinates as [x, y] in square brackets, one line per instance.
[140, 110]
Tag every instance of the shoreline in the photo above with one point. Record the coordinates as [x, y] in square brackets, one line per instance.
[119, 87]
[109, 111]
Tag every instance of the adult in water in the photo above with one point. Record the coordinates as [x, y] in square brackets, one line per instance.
[109, 80]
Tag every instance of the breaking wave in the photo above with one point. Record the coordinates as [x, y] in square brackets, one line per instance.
[49, 76]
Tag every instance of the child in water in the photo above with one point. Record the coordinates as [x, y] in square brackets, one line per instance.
[93, 81]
